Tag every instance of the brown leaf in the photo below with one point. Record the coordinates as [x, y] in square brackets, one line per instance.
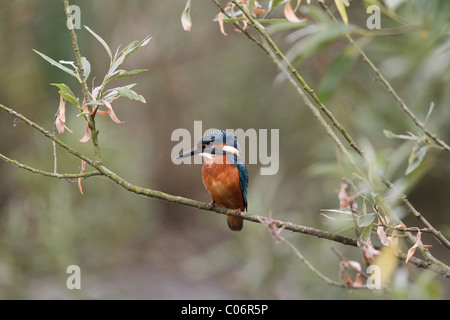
[110, 112]
[220, 20]
[289, 13]
[60, 121]
[83, 168]
[418, 243]
[368, 250]
[384, 239]
[345, 200]
[87, 135]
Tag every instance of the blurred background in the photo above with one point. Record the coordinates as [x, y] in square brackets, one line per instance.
[129, 246]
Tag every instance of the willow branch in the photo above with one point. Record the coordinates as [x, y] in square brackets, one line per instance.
[104, 171]
[316, 271]
[299, 78]
[84, 87]
[284, 61]
[50, 174]
[389, 87]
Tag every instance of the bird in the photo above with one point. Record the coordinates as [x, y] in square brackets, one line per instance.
[224, 174]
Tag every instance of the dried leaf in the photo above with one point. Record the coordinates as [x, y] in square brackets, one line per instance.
[418, 243]
[368, 250]
[384, 239]
[87, 135]
[220, 20]
[83, 169]
[289, 13]
[60, 121]
[340, 5]
[186, 17]
[345, 200]
[111, 113]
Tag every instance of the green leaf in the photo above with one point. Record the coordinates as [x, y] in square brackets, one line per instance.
[250, 6]
[104, 44]
[391, 135]
[86, 67]
[274, 3]
[335, 72]
[186, 17]
[367, 219]
[131, 48]
[416, 157]
[130, 94]
[125, 74]
[66, 93]
[324, 35]
[56, 64]
[340, 5]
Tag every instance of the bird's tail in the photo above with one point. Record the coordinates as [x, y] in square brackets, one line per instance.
[235, 223]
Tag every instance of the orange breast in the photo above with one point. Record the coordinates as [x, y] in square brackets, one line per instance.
[222, 182]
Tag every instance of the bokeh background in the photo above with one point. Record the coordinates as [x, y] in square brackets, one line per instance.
[129, 246]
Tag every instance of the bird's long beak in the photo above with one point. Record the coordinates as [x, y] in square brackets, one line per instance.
[190, 153]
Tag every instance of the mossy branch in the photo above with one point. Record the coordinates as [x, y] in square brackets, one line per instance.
[101, 170]
[389, 87]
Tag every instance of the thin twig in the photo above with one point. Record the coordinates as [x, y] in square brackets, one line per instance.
[104, 171]
[317, 272]
[50, 174]
[389, 87]
[299, 78]
[84, 87]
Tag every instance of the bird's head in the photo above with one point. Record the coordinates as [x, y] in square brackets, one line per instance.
[215, 143]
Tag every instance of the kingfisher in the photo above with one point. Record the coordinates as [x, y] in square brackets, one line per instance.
[224, 174]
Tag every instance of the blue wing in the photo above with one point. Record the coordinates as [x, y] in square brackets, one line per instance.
[243, 181]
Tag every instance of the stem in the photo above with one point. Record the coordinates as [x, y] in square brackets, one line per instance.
[84, 87]
[440, 268]
[389, 87]
[297, 76]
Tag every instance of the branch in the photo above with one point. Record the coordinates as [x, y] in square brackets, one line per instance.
[388, 86]
[299, 78]
[50, 174]
[283, 64]
[90, 118]
[104, 171]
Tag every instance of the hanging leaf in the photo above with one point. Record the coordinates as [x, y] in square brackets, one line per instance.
[186, 17]
[220, 20]
[60, 121]
[87, 135]
[66, 93]
[290, 14]
[110, 112]
[341, 4]
[416, 158]
[83, 169]
[336, 72]
[418, 243]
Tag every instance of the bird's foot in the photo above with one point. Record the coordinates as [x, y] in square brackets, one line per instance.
[239, 212]
[212, 204]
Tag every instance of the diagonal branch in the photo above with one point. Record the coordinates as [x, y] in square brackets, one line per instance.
[104, 171]
[389, 87]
